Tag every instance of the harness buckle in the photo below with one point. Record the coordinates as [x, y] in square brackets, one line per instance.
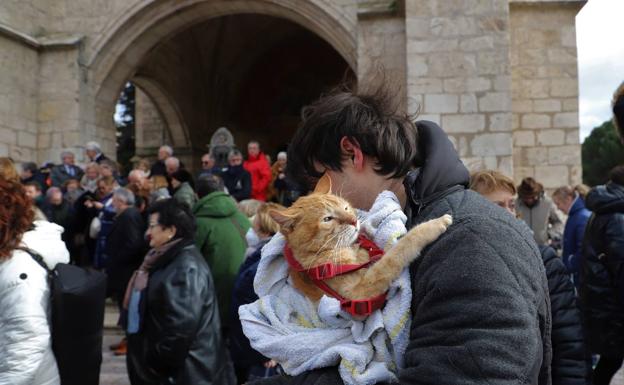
[322, 272]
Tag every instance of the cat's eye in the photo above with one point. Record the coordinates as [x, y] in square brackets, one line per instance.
[327, 219]
[346, 208]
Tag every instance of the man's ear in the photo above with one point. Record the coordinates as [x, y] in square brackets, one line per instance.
[324, 185]
[352, 148]
[285, 221]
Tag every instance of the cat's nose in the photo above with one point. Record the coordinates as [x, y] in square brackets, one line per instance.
[352, 221]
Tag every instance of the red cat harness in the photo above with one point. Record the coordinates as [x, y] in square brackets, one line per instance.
[358, 307]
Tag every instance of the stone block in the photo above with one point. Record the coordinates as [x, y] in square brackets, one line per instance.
[491, 144]
[463, 123]
[495, 101]
[502, 83]
[477, 43]
[564, 87]
[576, 175]
[427, 46]
[7, 136]
[432, 117]
[26, 139]
[426, 85]
[547, 105]
[551, 138]
[4, 149]
[536, 156]
[473, 163]
[568, 155]
[490, 162]
[552, 176]
[451, 64]
[570, 104]
[568, 36]
[468, 103]
[493, 62]
[523, 105]
[566, 120]
[524, 138]
[521, 172]
[441, 103]
[561, 56]
[515, 121]
[535, 121]
[572, 137]
[505, 165]
[500, 122]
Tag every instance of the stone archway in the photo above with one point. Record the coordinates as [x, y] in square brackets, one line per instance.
[115, 57]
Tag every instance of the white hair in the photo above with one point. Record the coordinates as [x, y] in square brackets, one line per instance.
[138, 173]
[125, 195]
[173, 161]
[167, 148]
[67, 153]
[93, 146]
[281, 155]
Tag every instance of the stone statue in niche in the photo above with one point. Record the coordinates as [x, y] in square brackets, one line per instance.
[221, 142]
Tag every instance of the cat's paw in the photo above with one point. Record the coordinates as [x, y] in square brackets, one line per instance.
[432, 229]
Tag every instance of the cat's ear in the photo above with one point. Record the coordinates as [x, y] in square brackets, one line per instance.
[324, 185]
[285, 221]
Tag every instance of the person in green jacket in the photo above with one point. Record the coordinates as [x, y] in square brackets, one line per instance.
[220, 236]
[183, 191]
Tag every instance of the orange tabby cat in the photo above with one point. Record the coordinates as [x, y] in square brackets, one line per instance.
[322, 227]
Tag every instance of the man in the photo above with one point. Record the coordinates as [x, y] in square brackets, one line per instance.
[137, 178]
[172, 164]
[31, 173]
[66, 170]
[158, 168]
[220, 236]
[125, 249]
[569, 201]
[259, 169]
[94, 152]
[208, 165]
[236, 178]
[480, 306]
[539, 213]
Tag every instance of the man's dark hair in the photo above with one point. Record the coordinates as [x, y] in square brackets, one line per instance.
[35, 184]
[616, 175]
[30, 166]
[530, 187]
[208, 183]
[173, 213]
[369, 119]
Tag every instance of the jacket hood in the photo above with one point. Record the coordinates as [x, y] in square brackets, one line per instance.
[578, 205]
[441, 168]
[606, 199]
[46, 240]
[217, 204]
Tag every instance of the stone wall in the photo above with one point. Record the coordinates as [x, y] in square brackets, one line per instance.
[150, 128]
[19, 66]
[458, 75]
[545, 93]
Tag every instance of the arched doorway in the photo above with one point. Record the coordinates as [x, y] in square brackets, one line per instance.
[213, 66]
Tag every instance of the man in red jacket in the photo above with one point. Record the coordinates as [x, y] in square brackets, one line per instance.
[258, 166]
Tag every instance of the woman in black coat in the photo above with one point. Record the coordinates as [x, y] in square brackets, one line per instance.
[173, 328]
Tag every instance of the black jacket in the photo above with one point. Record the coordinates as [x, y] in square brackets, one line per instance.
[480, 306]
[125, 248]
[180, 339]
[602, 269]
[570, 364]
[238, 182]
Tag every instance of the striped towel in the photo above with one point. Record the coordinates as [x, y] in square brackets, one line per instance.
[287, 327]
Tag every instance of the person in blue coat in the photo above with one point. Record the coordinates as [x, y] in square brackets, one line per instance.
[570, 202]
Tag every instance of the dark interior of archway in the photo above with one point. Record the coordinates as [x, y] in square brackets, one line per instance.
[251, 73]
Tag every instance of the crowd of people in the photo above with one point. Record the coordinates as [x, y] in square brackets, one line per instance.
[525, 287]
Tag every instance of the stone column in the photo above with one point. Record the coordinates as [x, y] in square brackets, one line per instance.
[150, 128]
[458, 75]
[545, 92]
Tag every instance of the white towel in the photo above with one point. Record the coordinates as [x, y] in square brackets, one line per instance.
[285, 326]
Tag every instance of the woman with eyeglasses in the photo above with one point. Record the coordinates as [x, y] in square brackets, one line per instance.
[173, 328]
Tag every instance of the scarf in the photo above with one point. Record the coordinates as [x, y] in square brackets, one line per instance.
[140, 277]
